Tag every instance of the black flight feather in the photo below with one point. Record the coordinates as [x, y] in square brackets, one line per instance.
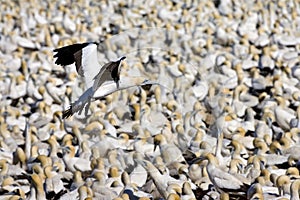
[65, 55]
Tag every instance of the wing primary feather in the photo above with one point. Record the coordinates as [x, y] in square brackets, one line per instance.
[69, 54]
[65, 55]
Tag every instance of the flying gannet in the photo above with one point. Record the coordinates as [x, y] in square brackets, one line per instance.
[100, 80]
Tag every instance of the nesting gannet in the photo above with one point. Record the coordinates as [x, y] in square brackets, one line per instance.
[101, 191]
[74, 163]
[283, 184]
[222, 180]
[100, 81]
[37, 191]
[295, 190]
[169, 152]
[160, 181]
[53, 182]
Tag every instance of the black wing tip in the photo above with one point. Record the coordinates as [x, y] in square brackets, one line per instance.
[65, 54]
[67, 113]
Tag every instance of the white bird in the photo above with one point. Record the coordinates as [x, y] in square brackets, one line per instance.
[169, 152]
[37, 191]
[75, 163]
[53, 182]
[100, 81]
[160, 181]
[222, 180]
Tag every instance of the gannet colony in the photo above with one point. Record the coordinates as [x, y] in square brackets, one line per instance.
[145, 99]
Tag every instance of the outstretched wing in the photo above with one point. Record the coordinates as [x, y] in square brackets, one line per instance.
[84, 56]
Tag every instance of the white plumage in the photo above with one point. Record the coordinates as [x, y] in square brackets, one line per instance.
[89, 62]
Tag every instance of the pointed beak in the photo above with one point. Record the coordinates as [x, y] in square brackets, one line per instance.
[65, 149]
[111, 136]
[155, 146]
[198, 159]
[278, 151]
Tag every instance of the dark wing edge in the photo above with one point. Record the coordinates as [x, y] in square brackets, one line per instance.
[66, 55]
[115, 72]
[109, 71]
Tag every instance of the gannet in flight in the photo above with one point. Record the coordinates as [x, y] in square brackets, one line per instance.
[100, 80]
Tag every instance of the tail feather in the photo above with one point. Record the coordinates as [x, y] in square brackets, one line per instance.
[76, 107]
[67, 113]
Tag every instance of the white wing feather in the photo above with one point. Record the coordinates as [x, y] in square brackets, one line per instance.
[90, 64]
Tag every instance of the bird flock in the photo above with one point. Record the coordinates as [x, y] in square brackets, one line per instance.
[206, 104]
